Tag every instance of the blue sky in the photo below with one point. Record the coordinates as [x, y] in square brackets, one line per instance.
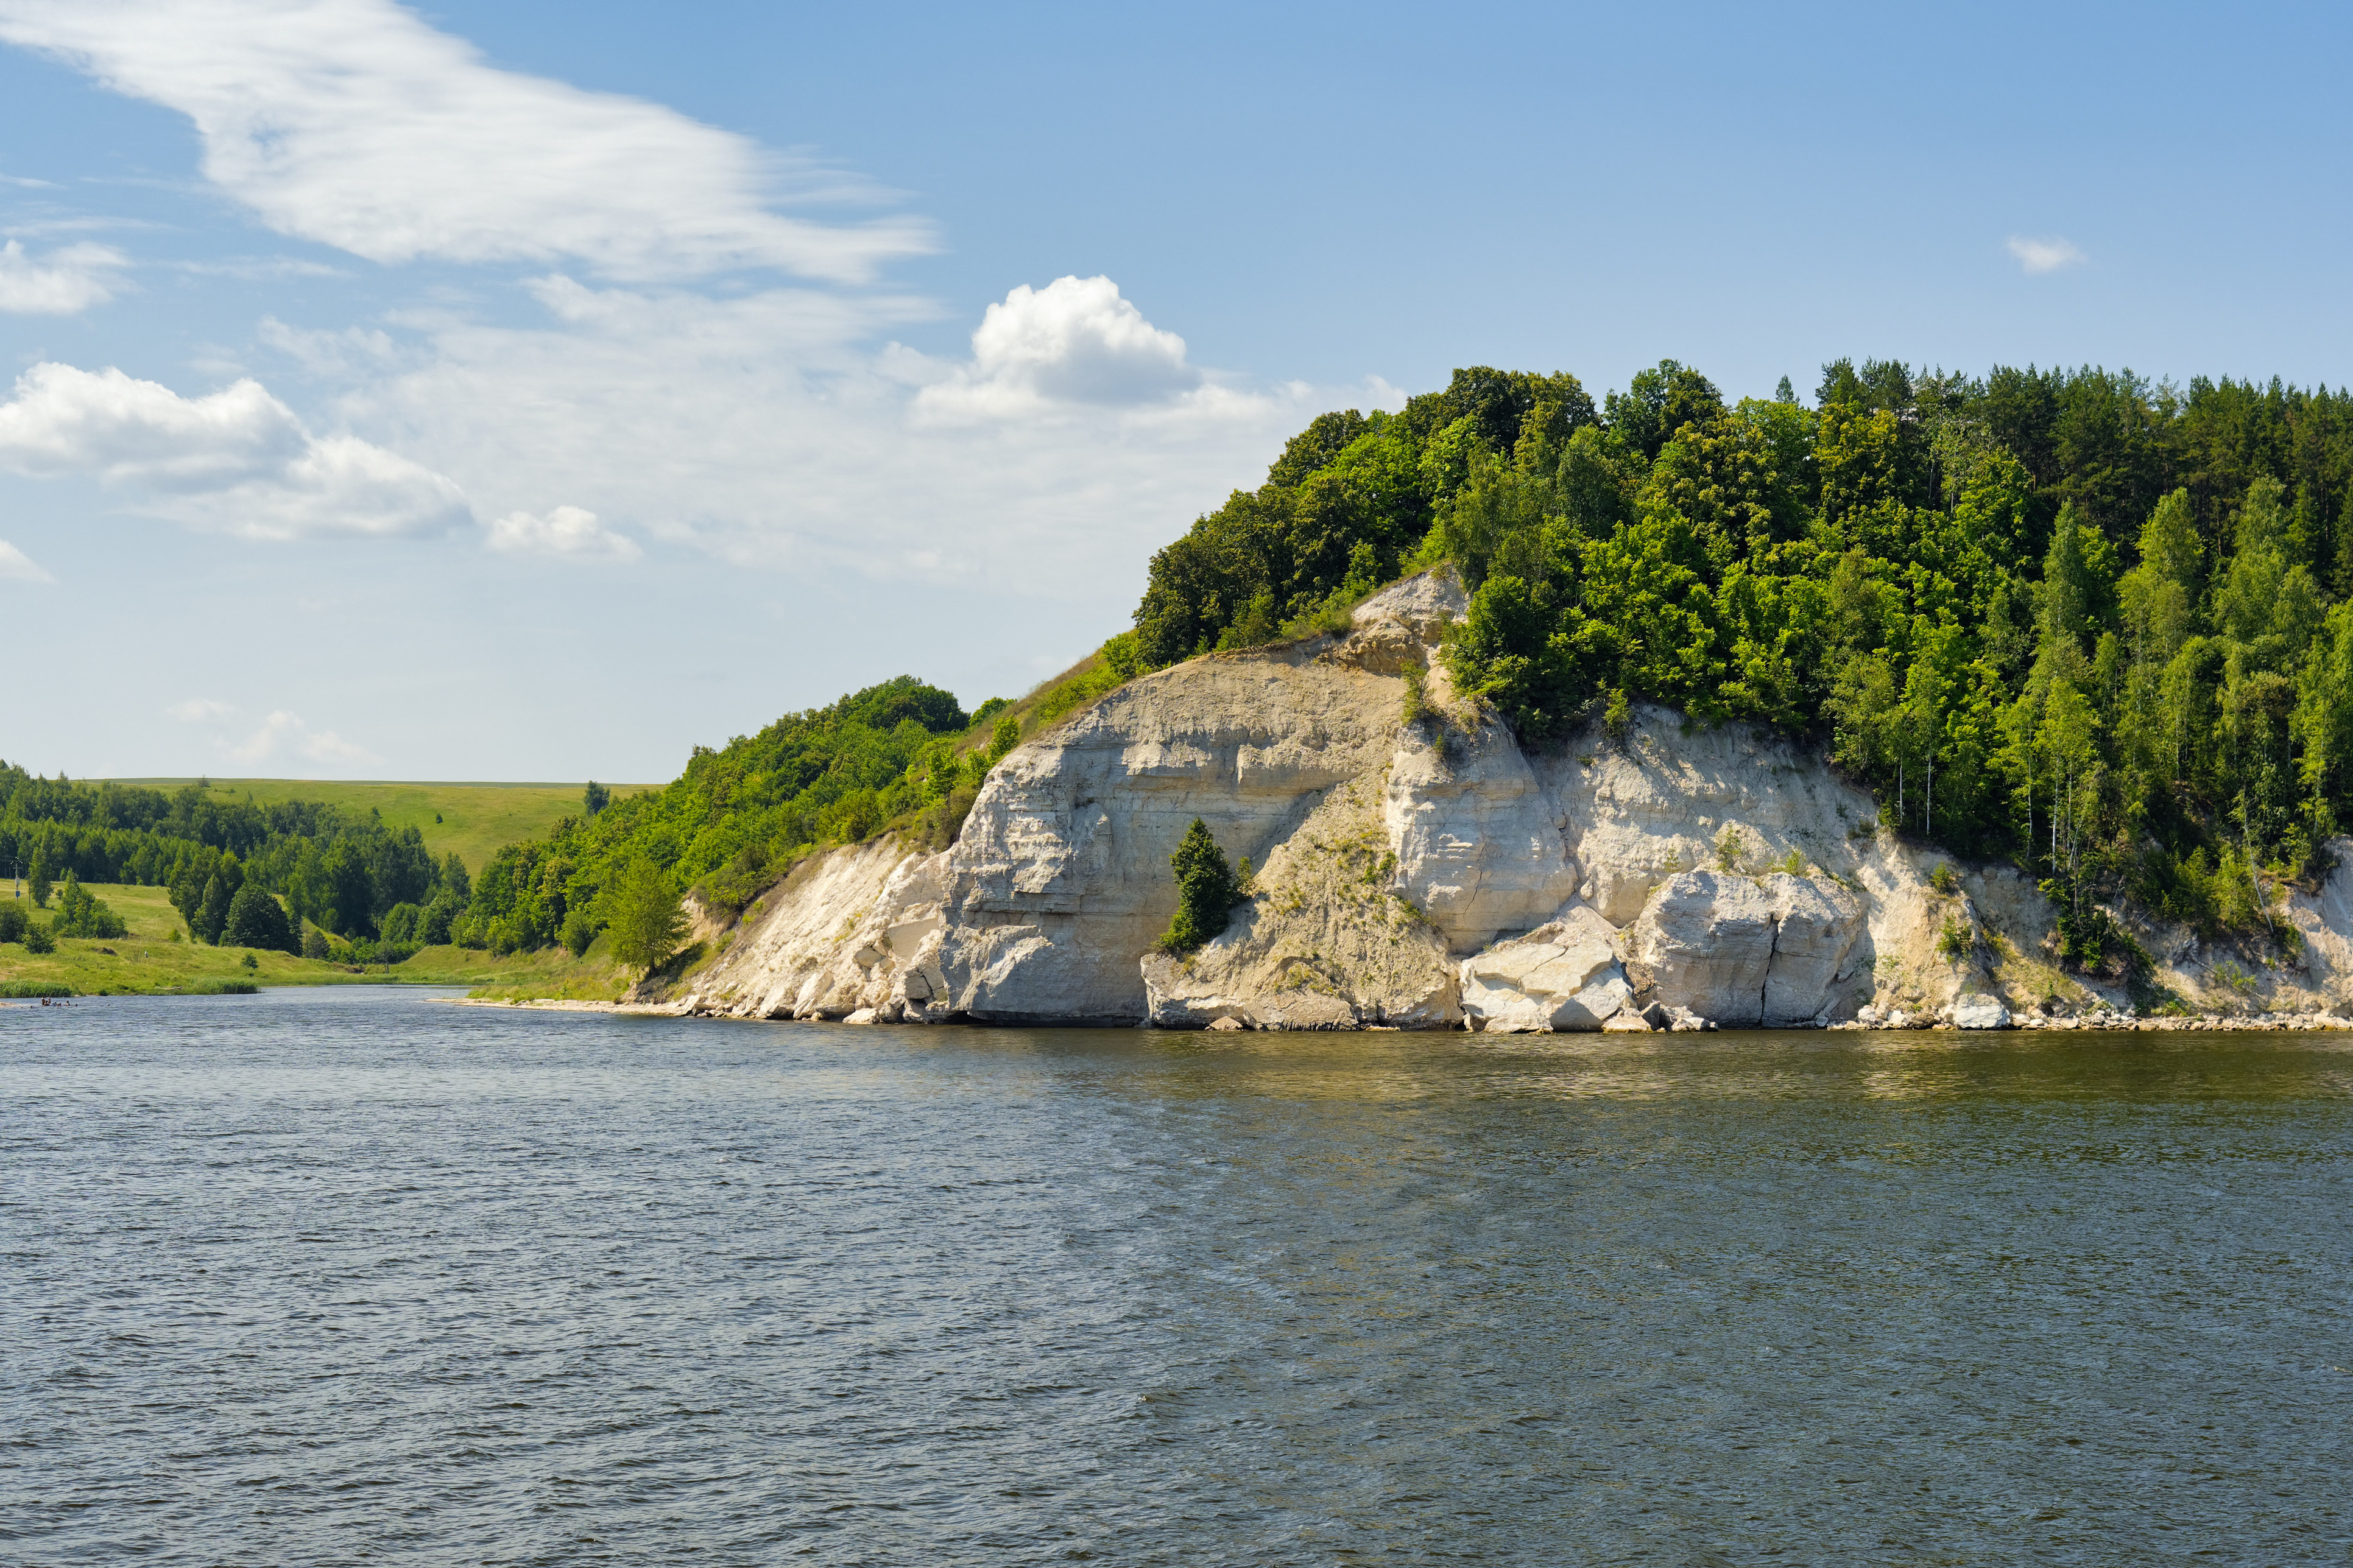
[534, 391]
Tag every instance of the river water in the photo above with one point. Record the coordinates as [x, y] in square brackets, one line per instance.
[348, 1277]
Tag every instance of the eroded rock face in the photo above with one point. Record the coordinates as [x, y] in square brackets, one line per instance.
[1478, 847]
[837, 937]
[1060, 880]
[1742, 950]
[1325, 943]
[1415, 875]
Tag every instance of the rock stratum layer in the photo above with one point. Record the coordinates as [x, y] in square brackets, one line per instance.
[1426, 874]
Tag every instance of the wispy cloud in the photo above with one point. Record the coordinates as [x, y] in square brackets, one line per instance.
[2045, 255]
[196, 710]
[782, 439]
[63, 283]
[15, 566]
[353, 123]
[284, 735]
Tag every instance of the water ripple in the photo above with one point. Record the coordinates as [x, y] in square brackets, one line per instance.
[346, 1277]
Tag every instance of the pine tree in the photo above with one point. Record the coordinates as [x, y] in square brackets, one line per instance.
[212, 916]
[1207, 891]
[44, 869]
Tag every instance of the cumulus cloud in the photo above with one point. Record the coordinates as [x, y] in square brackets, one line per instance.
[67, 280]
[284, 735]
[353, 123]
[566, 532]
[237, 459]
[1075, 341]
[196, 710]
[15, 566]
[2046, 255]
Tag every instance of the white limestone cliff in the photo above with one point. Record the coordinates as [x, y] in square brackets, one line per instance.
[1431, 875]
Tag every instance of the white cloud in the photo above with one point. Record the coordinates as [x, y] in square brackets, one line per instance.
[1075, 341]
[565, 532]
[2047, 254]
[353, 123]
[284, 735]
[235, 459]
[765, 430]
[196, 710]
[15, 566]
[70, 280]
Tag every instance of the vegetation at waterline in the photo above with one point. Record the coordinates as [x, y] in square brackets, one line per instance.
[341, 873]
[284, 873]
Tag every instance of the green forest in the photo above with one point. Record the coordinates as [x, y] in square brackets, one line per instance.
[240, 874]
[2098, 626]
[2074, 619]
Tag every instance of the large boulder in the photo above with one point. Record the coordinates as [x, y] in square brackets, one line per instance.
[1815, 925]
[1978, 1011]
[1559, 977]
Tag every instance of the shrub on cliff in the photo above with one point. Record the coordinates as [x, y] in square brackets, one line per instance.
[1207, 889]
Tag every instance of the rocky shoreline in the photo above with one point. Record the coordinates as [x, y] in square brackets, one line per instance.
[1417, 869]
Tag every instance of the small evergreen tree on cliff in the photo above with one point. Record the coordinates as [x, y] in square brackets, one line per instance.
[641, 912]
[1207, 891]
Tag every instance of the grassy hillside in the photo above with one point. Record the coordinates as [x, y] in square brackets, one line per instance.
[146, 960]
[475, 820]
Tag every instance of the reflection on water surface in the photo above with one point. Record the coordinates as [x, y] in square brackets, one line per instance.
[345, 1276]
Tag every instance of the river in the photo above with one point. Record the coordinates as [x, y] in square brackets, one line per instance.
[351, 1277]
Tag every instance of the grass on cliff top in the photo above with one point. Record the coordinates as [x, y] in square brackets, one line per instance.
[476, 820]
[146, 961]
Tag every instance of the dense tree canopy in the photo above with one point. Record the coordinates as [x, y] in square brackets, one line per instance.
[734, 820]
[2099, 625]
[339, 871]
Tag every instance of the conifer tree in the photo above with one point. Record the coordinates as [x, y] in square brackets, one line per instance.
[1207, 891]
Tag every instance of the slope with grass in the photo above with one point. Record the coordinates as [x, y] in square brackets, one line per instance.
[473, 821]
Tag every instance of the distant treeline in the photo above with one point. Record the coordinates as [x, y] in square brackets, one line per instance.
[349, 876]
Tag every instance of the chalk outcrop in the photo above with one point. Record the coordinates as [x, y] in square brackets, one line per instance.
[1428, 874]
[1565, 975]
